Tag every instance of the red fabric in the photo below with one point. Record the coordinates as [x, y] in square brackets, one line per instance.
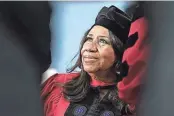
[136, 58]
[54, 102]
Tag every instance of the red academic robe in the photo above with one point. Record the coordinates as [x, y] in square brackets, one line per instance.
[54, 102]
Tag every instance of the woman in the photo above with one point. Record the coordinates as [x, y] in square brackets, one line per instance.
[93, 91]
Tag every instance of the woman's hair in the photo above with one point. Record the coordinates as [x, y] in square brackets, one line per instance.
[76, 89]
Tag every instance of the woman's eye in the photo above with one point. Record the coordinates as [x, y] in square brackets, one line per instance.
[103, 41]
[89, 39]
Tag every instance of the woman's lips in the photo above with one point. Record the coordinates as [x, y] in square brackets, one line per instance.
[89, 59]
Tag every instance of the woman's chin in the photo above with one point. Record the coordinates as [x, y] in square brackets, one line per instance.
[90, 70]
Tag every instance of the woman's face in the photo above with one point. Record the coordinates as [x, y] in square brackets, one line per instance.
[97, 52]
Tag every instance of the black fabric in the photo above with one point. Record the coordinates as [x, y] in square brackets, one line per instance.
[115, 20]
[96, 106]
[25, 54]
[30, 20]
[132, 40]
[139, 11]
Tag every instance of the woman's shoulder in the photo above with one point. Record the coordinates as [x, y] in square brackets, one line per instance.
[52, 82]
[65, 77]
[62, 77]
[54, 75]
[52, 90]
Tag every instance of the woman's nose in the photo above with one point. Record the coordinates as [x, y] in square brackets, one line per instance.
[91, 47]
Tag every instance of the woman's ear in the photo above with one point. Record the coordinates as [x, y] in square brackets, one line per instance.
[121, 69]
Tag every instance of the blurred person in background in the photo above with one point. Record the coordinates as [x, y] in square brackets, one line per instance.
[25, 54]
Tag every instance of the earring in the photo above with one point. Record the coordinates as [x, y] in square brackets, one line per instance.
[117, 67]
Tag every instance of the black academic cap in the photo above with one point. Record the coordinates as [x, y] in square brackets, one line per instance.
[115, 20]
